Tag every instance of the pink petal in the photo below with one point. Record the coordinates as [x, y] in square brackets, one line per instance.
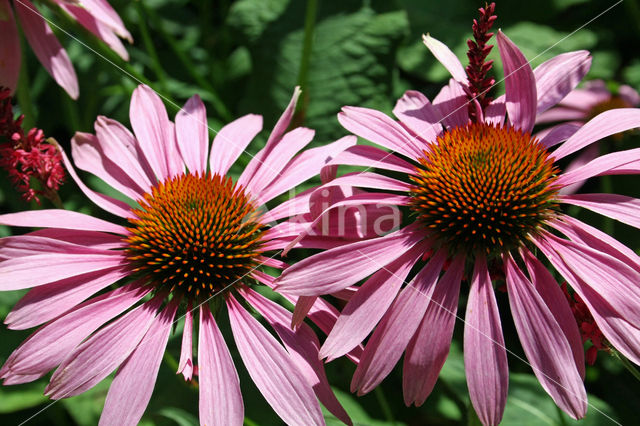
[368, 305]
[304, 166]
[446, 57]
[379, 128]
[274, 138]
[47, 48]
[100, 354]
[105, 13]
[185, 366]
[552, 136]
[89, 239]
[349, 264]
[281, 153]
[27, 245]
[616, 206]
[485, 356]
[496, 111]
[220, 396]
[231, 141]
[452, 103]
[301, 309]
[88, 156]
[40, 269]
[562, 113]
[151, 125]
[369, 180]
[107, 203]
[302, 346]
[370, 156]
[51, 344]
[193, 134]
[116, 141]
[416, 112]
[558, 76]
[133, 385]
[547, 287]
[520, 85]
[544, 343]
[44, 303]
[10, 55]
[63, 219]
[605, 124]
[603, 165]
[272, 370]
[629, 95]
[613, 279]
[391, 337]
[429, 346]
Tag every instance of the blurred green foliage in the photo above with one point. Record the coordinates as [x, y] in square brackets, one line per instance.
[245, 56]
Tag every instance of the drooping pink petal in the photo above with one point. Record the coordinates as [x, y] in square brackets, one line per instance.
[301, 309]
[544, 343]
[520, 85]
[185, 366]
[28, 245]
[231, 141]
[44, 303]
[485, 356]
[379, 128]
[88, 156]
[613, 163]
[116, 141]
[192, 133]
[558, 76]
[304, 166]
[281, 153]
[105, 13]
[556, 301]
[10, 55]
[63, 219]
[554, 135]
[561, 113]
[95, 358]
[220, 396]
[150, 124]
[496, 111]
[302, 345]
[452, 103]
[392, 335]
[605, 124]
[613, 279]
[51, 344]
[40, 269]
[272, 370]
[370, 156]
[90, 239]
[47, 47]
[593, 92]
[369, 180]
[131, 389]
[105, 202]
[588, 154]
[416, 112]
[429, 346]
[446, 57]
[368, 305]
[349, 264]
[616, 206]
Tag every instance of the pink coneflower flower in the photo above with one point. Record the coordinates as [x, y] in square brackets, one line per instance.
[28, 157]
[484, 197]
[580, 106]
[189, 240]
[97, 16]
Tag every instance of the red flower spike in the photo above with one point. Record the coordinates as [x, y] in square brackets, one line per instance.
[479, 83]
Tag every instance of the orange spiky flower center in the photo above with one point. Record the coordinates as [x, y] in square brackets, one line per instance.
[196, 235]
[482, 188]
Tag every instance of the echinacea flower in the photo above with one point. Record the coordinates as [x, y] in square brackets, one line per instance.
[190, 239]
[29, 156]
[485, 200]
[580, 106]
[97, 16]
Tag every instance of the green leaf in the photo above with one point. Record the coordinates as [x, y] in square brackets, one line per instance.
[357, 413]
[181, 417]
[21, 397]
[85, 409]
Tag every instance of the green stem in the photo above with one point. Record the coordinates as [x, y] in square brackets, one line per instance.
[307, 47]
[384, 404]
[249, 422]
[148, 44]
[627, 364]
[23, 92]
[170, 361]
[215, 99]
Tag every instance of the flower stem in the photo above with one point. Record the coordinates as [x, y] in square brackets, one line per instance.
[384, 404]
[307, 47]
[148, 44]
[627, 364]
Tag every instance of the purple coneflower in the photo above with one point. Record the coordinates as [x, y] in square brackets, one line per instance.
[190, 240]
[485, 200]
